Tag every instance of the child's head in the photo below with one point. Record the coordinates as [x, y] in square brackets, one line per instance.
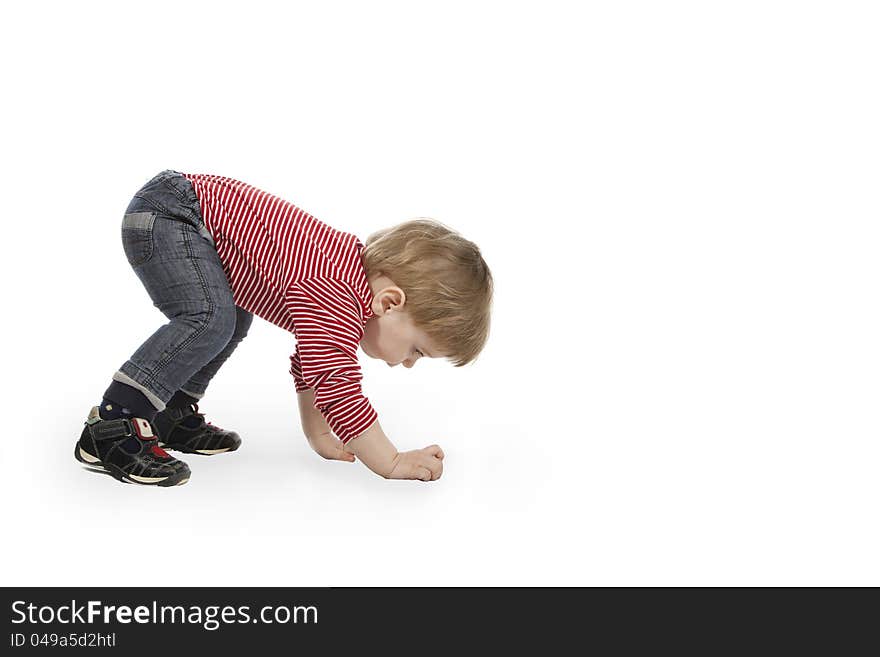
[438, 284]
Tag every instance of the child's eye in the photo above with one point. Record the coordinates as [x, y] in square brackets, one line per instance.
[419, 353]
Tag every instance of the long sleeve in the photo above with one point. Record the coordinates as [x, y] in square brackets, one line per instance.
[328, 323]
[296, 371]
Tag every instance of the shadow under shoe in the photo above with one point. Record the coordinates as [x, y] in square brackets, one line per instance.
[128, 450]
[185, 430]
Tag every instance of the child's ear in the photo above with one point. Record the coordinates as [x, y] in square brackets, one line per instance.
[399, 298]
[389, 299]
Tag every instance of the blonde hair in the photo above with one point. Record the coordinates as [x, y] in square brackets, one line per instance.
[447, 284]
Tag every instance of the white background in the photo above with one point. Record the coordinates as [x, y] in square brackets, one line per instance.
[679, 204]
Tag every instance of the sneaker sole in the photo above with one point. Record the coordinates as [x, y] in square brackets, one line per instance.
[203, 452]
[93, 462]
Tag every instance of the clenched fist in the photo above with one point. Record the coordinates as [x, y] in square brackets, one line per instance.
[425, 464]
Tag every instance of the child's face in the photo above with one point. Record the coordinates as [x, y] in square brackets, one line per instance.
[392, 337]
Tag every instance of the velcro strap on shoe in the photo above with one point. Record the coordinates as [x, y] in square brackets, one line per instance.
[108, 429]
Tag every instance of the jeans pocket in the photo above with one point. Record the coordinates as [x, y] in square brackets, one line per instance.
[137, 237]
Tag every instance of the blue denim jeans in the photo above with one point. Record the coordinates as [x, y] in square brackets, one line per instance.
[173, 254]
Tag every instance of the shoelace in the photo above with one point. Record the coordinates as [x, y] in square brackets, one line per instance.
[195, 408]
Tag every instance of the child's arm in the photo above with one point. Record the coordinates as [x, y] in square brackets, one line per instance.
[374, 449]
[317, 430]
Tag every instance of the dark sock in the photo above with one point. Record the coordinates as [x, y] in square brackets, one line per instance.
[181, 400]
[125, 399]
[110, 410]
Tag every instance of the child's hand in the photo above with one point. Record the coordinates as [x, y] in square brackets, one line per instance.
[329, 447]
[425, 464]
[378, 453]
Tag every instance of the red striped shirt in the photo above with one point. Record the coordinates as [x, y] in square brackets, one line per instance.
[292, 270]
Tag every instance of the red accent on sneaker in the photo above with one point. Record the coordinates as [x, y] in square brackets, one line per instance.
[161, 453]
[142, 428]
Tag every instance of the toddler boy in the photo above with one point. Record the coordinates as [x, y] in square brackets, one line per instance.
[213, 252]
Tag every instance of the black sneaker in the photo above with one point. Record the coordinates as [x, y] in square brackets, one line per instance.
[128, 450]
[185, 430]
